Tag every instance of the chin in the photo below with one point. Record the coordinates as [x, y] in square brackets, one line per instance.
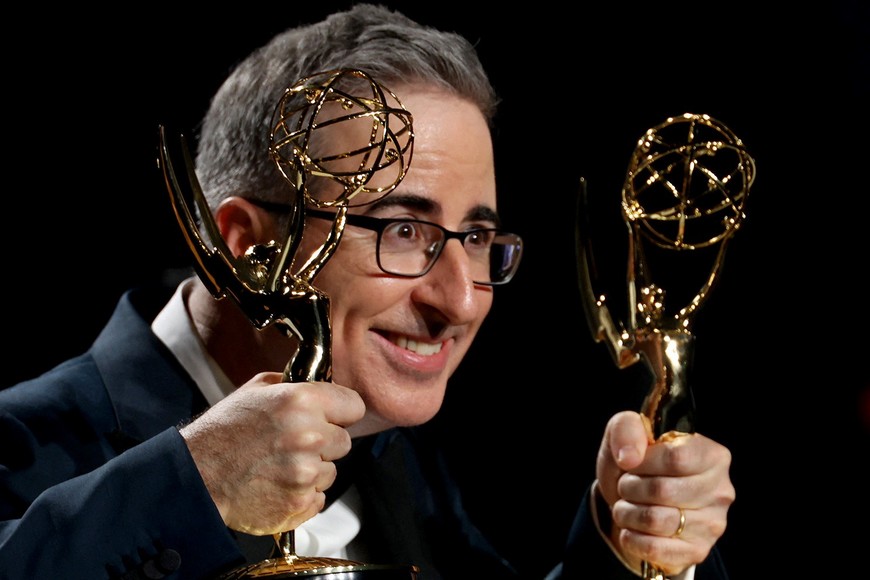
[380, 417]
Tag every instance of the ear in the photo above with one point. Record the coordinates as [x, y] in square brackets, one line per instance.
[243, 224]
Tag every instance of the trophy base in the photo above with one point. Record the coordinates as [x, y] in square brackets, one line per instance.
[323, 568]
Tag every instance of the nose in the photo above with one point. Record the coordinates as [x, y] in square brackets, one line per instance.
[448, 286]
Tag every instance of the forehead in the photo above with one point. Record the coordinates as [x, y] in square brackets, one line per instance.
[452, 161]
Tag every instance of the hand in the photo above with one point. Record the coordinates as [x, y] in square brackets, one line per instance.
[266, 451]
[646, 485]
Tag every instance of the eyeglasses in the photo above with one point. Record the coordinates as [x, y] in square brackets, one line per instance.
[410, 248]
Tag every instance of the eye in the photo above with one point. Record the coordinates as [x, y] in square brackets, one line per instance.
[478, 239]
[404, 236]
[404, 230]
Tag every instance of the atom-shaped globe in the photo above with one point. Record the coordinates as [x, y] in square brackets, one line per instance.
[339, 137]
[687, 183]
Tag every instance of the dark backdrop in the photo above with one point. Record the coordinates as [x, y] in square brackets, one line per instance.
[780, 364]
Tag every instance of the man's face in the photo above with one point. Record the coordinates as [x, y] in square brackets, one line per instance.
[397, 340]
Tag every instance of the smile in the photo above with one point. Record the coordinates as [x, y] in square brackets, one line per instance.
[423, 348]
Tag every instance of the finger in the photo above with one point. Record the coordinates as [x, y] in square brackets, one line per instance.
[623, 447]
[626, 439]
[688, 453]
[268, 511]
[669, 553]
[690, 472]
[330, 402]
[347, 408]
[336, 443]
[679, 456]
[326, 477]
[656, 520]
[294, 518]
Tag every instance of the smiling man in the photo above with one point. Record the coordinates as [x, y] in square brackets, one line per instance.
[174, 448]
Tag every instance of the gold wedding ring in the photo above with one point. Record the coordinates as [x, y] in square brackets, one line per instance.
[682, 525]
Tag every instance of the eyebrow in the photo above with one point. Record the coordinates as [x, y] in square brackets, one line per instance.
[428, 206]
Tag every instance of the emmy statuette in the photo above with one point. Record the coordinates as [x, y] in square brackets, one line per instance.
[684, 193]
[272, 285]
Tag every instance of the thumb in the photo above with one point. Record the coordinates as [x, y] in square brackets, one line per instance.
[626, 436]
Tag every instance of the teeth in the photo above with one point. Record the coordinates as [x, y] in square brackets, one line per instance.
[423, 348]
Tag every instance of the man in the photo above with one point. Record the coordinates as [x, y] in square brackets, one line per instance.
[173, 447]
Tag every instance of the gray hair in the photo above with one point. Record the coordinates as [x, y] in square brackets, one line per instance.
[232, 154]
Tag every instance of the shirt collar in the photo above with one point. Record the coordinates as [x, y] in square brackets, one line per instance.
[176, 330]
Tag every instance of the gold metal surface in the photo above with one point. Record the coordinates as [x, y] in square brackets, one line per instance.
[685, 191]
[344, 108]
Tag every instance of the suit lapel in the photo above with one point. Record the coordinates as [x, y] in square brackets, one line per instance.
[149, 390]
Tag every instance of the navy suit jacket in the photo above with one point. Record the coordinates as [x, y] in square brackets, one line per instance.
[96, 482]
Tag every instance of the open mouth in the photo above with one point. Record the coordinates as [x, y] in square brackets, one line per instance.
[422, 348]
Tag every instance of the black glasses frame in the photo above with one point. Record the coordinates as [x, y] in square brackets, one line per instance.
[378, 225]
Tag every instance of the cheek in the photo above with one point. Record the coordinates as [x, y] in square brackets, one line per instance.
[486, 302]
[484, 299]
[353, 260]
[355, 287]
[484, 307]
[355, 300]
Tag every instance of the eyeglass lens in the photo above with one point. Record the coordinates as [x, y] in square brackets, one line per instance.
[411, 248]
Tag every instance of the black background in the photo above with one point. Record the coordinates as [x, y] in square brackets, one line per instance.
[780, 371]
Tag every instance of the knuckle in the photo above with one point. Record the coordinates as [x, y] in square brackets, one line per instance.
[306, 440]
[679, 458]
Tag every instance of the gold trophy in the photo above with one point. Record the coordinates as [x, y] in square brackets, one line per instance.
[268, 283]
[684, 195]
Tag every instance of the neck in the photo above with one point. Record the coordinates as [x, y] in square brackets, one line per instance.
[233, 341]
